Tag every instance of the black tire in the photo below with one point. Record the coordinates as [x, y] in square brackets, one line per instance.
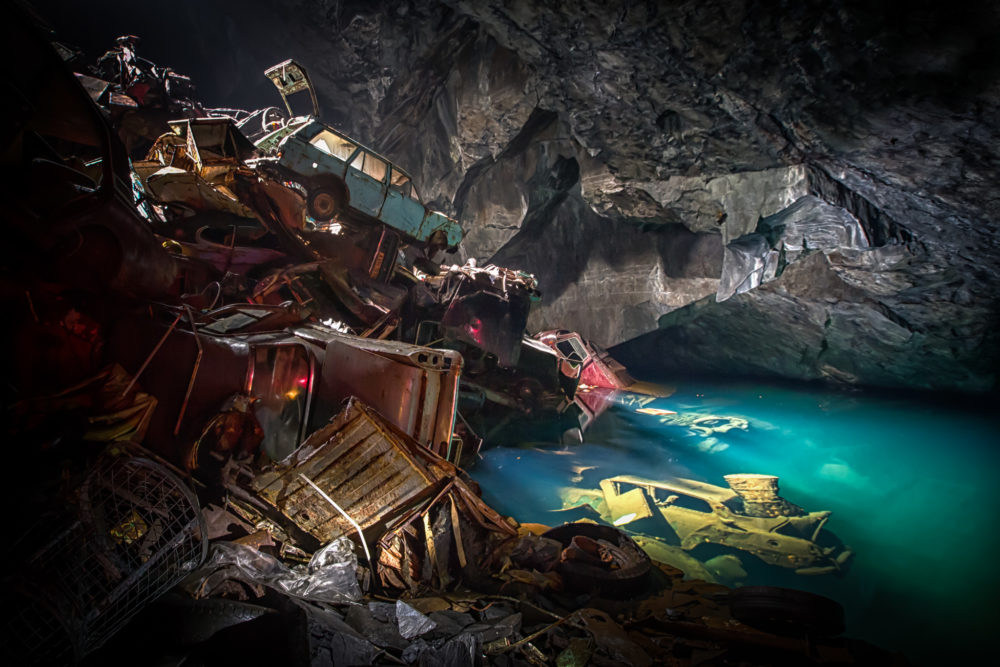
[786, 611]
[324, 204]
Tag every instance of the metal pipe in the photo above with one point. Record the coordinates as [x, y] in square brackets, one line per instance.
[819, 527]
[232, 251]
[194, 373]
[31, 306]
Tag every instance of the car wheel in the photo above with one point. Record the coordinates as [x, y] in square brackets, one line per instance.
[323, 204]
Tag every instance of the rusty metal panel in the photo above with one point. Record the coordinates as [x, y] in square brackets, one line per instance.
[415, 388]
[393, 387]
[171, 184]
[371, 470]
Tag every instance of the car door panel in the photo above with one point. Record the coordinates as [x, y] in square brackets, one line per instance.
[367, 193]
[403, 213]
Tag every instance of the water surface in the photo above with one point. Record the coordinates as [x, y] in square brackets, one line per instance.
[910, 481]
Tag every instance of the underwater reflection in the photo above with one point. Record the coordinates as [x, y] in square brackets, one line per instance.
[905, 484]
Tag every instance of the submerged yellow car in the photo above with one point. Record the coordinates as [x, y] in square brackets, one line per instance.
[749, 516]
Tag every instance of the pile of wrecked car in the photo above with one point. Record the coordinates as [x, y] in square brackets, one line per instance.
[243, 374]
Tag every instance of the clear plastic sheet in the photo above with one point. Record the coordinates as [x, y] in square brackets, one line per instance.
[331, 575]
[411, 622]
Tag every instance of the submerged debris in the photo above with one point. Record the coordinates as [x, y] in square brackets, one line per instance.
[749, 516]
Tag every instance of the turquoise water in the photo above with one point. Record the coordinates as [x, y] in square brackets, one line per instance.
[911, 484]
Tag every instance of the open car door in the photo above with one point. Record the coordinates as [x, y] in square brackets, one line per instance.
[289, 78]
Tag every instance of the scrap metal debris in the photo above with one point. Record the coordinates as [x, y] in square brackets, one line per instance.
[238, 333]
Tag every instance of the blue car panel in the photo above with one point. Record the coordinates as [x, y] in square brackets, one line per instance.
[313, 153]
[401, 211]
[367, 193]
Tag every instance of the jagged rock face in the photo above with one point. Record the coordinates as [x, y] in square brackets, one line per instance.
[801, 189]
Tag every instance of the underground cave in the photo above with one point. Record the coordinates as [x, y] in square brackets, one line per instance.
[500, 333]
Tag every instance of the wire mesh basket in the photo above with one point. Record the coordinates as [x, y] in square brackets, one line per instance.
[138, 533]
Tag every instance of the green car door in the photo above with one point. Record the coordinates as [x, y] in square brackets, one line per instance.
[402, 209]
[366, 183]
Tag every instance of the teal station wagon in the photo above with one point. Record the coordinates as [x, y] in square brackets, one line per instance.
[340, 175]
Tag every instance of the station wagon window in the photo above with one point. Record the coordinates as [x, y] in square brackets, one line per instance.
[280, 385]
[375, 167]
[401, 182]
[333, 144]
[682, 500]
